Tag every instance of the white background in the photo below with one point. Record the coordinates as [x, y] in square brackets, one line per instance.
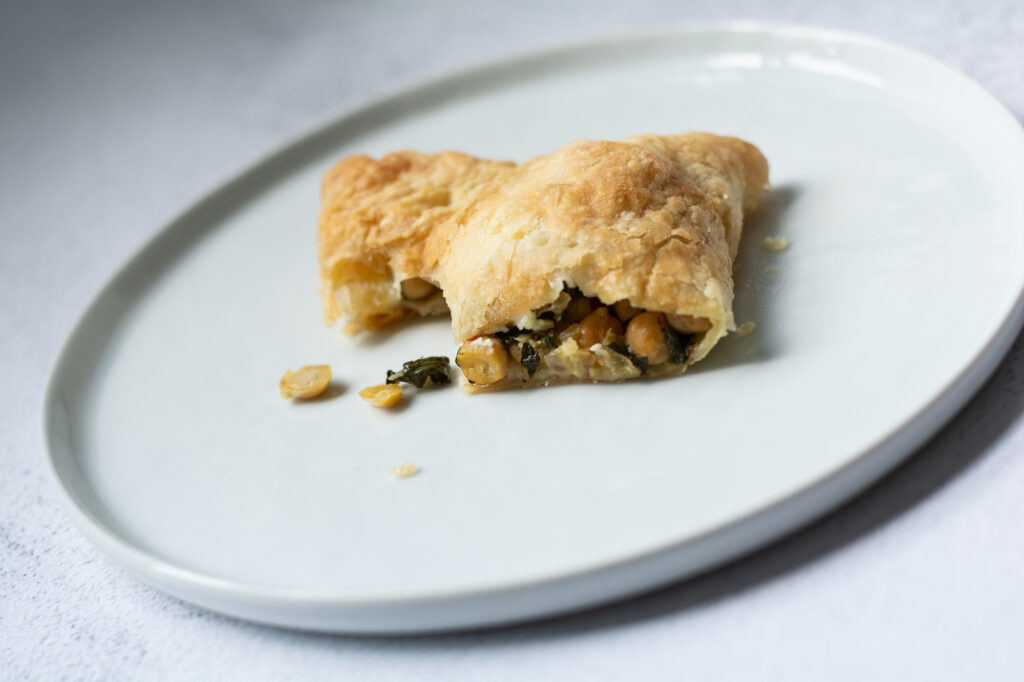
[115, 116]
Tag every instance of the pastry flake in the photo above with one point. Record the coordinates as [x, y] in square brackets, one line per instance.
[774, 243]
[404, 470]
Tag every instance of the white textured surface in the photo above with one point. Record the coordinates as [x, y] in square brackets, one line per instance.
[114, 118]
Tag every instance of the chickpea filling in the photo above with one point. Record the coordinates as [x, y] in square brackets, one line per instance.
[417, 289]
[619, 341]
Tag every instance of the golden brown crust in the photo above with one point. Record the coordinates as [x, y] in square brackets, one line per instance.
[374, 219]
[652, 220]
[655, 220]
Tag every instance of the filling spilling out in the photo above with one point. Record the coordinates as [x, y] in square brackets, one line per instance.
[580, 338]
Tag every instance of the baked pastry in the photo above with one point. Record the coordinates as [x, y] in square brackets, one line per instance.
[601, 262]
[374, 219]
[604, 261]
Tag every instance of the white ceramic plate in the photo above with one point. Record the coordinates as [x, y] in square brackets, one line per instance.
[897, 181]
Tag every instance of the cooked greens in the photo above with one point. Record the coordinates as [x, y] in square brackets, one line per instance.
[678, 346]
[529, 359]
[423, 373]
[532, 348]
[508, 337]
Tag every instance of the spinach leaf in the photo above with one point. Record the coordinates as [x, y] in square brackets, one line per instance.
[425, 372]
[678, 346]
[529, 359]
[508, 337]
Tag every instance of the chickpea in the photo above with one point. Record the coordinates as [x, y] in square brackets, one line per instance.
[560, 328]
[306, 382]
[382, 395]
[625, 311]
[579, 308]
[483, 359]
[416, 288]
[595, 328]
[646, 337]
[688, 324]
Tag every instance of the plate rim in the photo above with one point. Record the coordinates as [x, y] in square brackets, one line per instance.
[788, 514]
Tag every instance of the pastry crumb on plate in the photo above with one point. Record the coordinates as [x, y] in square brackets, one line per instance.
[774, 243]
[404, 470]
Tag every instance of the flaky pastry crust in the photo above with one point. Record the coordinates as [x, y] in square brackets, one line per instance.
[375, 217]
[653, 220]
[650, 223]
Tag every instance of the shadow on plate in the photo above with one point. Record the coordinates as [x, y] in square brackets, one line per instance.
[756, 289]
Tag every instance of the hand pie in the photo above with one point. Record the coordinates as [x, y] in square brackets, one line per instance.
[374, 220]
[603, 261]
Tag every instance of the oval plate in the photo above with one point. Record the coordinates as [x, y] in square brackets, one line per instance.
[897, 181]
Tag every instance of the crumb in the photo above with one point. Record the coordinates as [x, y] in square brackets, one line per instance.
[745, 329]
[771, 268]
[404, 470]
[774, 243]
[356, 468]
